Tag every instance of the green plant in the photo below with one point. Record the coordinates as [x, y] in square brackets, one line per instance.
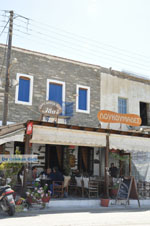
[119, 157]
[11, 170]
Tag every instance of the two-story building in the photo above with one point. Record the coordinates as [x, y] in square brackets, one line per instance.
[81, 90]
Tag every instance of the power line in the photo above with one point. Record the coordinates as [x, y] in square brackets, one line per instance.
[73, 39]
[64, 47]
[77, 46]
[48, 27]
[87, 50]
[4, 28]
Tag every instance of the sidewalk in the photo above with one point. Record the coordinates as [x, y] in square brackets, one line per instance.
[95, 203]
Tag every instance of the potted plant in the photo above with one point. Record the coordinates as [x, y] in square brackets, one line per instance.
[114, 190]
[39, 195]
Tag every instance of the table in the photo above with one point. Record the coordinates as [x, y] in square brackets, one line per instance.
[45, 181]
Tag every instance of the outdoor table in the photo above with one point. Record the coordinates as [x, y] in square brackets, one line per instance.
[44, 181]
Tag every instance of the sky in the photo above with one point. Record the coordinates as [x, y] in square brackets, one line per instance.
[109, 33]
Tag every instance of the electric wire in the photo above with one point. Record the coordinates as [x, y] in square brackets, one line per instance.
[71, 42]
[87, 50]
[4, 28]
[72, 45]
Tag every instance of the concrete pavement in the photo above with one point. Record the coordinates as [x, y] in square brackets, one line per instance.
[100, 216]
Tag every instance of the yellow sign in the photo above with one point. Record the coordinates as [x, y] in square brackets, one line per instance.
[113, 117]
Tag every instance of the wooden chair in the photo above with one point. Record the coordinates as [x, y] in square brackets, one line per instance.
[93, 189]
[58, 189]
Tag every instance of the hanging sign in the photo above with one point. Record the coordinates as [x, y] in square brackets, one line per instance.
[50, 108]
[29, 128]
[113, 117]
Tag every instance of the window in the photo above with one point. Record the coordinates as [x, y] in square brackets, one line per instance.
[144, 113]
[83, 99]
[55, 91]
[122, 105]
[24, 90]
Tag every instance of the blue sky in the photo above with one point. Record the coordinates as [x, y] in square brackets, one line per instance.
[109, 33]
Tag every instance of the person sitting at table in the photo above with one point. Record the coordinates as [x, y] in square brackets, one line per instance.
[56, 176]
[49, 173]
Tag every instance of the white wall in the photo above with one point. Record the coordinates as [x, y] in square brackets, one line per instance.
[113, 87]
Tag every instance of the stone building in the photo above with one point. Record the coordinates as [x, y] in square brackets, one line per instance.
[82, 90]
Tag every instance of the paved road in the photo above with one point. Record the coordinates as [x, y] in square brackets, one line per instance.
[79, 217]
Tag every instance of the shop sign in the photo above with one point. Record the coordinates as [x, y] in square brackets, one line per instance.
[29, 128]
[113, 117]
[50, 108]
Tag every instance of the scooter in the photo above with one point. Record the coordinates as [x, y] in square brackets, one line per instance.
[7, 202]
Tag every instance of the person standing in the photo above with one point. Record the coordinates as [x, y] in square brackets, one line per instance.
[113, 170]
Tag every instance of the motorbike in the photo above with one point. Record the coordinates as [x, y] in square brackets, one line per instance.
[7, 202]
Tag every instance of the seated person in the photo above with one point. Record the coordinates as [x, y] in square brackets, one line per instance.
[56, 176]
[49, 173]
[34, 172]
[113, 170]
[32, 175]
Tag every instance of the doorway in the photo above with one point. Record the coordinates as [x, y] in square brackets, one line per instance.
[85, 160]
[143, 113]
[54, 156]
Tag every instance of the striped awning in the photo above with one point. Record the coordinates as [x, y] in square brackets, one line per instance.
[64, 136]
[129, 143]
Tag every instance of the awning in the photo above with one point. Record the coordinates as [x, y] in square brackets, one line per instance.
[129, 143]
[14, 132]
[63, 136]
[15, 136]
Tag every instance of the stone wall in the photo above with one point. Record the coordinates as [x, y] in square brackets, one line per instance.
[43, 67]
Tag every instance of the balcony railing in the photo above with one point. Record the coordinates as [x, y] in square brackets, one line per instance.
[67, 109]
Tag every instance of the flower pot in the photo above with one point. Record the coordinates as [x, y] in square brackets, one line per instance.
[46, 199]
[105, 202]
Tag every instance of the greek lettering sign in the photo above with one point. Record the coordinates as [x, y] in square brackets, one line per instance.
[113, 117]
[50, 108]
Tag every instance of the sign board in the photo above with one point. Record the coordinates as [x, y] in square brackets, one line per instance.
[29, 128]
[50, 108]
[113, 117]
[127, 189]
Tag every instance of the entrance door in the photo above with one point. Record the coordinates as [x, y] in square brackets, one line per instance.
[54, 156]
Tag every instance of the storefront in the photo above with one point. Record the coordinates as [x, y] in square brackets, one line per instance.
[87, 149]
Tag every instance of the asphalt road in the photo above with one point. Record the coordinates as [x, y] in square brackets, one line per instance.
[79, 217]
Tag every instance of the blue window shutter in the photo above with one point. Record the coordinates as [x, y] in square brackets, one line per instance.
[24, 89]
[122, 106]
[82, 99]
[55, 93]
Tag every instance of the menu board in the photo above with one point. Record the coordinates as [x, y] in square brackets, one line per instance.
[127, 189]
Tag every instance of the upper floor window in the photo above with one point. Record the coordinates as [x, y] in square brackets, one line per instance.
[55, 91]
[122, 105]
[83, 99]
[24, 90]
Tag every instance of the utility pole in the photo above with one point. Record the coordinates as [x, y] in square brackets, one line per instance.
[5, 109]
